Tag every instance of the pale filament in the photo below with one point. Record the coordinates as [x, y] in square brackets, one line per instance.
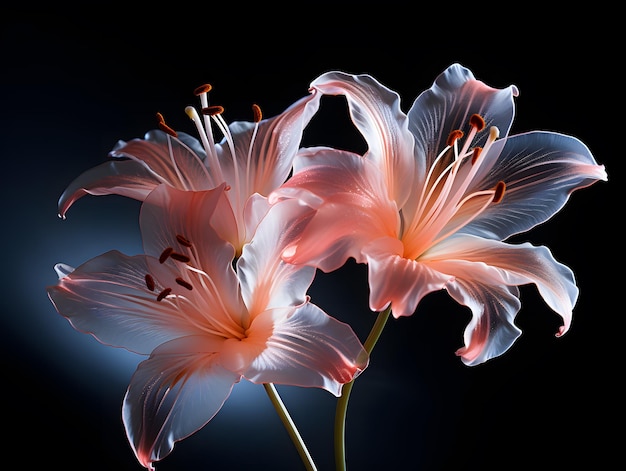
[213, 327]
[257, 118]
[208, 144]
[215, 324]
[178, 173]
[438, 205]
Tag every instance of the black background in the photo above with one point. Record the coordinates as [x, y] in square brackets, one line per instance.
[74, 82]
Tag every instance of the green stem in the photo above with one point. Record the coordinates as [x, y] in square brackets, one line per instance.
[290, 426]
[342, 403]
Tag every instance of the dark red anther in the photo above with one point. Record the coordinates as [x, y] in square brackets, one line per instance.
[180, 257]
[163, 294]
[150, 282]
[164, 127]
[213, 110]
[499, 192]
[184, 283]
[258, 115]
[182, 240]
[477, 121]
[206, 88]
[165, 254]
[454, 135]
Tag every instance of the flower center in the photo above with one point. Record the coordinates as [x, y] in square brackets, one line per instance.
[208, 299]
[445, 205]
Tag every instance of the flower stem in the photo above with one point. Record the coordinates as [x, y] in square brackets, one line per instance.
[290, 426]
[342, 403]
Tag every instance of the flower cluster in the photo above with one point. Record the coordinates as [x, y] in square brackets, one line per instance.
[234, 231]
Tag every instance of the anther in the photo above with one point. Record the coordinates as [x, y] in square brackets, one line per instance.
[476, 154]
[477, 122]
[150, 282]
[163, 294]
[206, 88]
[184, 284]
[256, 110]
[183, 240]
[165, 254]
[499, 192]
[454, 135]
[164, 127]
[213, 110]
[180, 257]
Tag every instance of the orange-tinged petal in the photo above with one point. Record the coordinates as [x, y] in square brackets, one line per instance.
[351, 207]
[398, 280]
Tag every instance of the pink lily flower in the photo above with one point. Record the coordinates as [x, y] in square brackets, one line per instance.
[252, 157]
[430, 204]
[204, 325]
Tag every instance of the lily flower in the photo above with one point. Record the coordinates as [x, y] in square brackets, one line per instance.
[204, 324]
[252, 157]
[430, 204]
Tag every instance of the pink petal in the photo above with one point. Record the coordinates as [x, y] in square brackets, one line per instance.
[173, 394]
[159, 158]
[267, 281]
[167, 214]
[375, 111]
[300, 346]
[351, 207]
[486, 276]
[108, 298]
[397, 280]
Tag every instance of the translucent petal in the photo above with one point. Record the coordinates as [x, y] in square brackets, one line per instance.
[540, 170]
[169, 213]
[267, 281]
[172, 395]
[141, 164]
[375, 111]
[447, 106]
[397, 280]
[491, 331]
[495, 262]
[264, 151]
[108, 298]
[306, 348]
[351, 207]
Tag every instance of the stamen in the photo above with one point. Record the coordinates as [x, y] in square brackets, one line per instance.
[213, 110]
[150, 282]
[183, 240]
[476, 153]
[184, 284]
[179, 257]
[499, 192]
[163, 294]
[454, 135]
[206, 88]
[207, 140]
[164, 127]
[256, 110]
[165, 254]
[477, 122]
